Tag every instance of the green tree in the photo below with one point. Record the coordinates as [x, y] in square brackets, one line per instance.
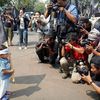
[3, 2]
[39, 7]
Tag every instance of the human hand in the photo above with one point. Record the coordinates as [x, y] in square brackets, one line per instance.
[69, 45]
[86, 78]
[89, 49]
[12, 71]
[61, 8]
[83, 30]
[49, 6]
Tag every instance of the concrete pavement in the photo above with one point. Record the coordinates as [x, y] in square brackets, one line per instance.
[37, 81]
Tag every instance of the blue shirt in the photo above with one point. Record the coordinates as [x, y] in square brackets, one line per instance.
[4, 64]
[62, 18]
[73, 10]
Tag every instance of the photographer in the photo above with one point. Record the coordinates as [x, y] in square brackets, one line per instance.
[95, 35]
[23, 22]
[95, 47]
[69, 9]
[8, 26]
[95, 69]
[71, 52]
[42, 50]
[65, 13]
[63, 17]
[47, 50]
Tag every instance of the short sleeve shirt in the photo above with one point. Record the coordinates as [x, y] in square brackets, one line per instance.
[4, 65]
[73, 10]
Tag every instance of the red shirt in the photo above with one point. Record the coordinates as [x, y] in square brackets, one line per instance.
[75, 54]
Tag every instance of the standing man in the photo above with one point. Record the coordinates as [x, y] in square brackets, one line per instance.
[67, 8]
[66, 17]
[8, 25]
[23, 22]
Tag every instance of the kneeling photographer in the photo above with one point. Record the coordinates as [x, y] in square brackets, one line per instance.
[71, 52]
[42, 50]
[47, 50]
[95, 69]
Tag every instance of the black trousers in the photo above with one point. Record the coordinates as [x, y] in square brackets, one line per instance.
[42, 53]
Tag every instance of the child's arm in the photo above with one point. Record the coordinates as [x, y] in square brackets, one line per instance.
[4, 71]
[12, 78]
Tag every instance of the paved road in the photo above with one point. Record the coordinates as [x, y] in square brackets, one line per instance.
[35, 81]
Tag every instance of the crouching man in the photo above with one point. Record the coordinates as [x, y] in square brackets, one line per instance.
[47, 50]
[95, 69]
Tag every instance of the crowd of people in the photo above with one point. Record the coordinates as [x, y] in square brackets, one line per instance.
[77, 40]
[64, 39]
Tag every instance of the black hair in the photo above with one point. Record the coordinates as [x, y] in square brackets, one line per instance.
[74, 37]
[96, 61]
[22, 8]
[3, 47]
[54, 1]
[38, 12]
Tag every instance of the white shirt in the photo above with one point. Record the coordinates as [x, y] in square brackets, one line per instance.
[21, 23]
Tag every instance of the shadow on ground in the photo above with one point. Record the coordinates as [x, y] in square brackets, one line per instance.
[93, 95]
[33, 81]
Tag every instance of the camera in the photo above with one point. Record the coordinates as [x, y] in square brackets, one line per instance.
[63, 41]
[81, 67]
[55, 7]
[54, 1]
[85, 42]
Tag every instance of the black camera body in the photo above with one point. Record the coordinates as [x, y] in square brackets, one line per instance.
[63, 42]
[85, 42]
[55, 7]
[54, 1]
[81, 67]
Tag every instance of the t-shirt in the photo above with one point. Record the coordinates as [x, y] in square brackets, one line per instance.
[73, 10]
[75, 54]
[4, 64]
[21, 23]
[8, 22]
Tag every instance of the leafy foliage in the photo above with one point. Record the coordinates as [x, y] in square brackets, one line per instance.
[39, 7]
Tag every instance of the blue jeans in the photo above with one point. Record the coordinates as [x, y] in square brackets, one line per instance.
[23, 37]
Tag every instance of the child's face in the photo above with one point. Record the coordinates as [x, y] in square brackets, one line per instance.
[4, 56]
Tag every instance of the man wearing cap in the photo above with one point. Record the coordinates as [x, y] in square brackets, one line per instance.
[95, 69]
[5, 73]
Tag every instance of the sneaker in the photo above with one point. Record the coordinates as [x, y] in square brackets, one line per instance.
[25, 48]
[60, 70]
[64, 76]
[20, 48]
